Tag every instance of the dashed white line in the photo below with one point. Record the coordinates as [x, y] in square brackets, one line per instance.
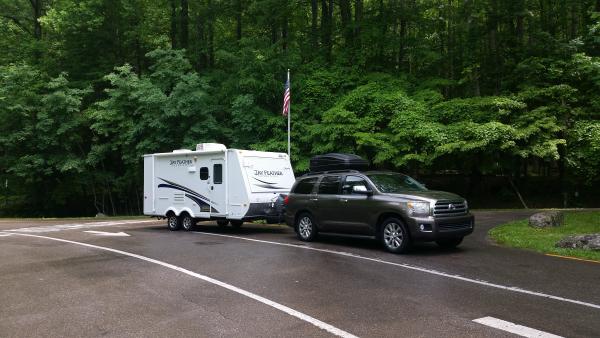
[417, 268]
[302, 316]
[110, 234]
[520, 330]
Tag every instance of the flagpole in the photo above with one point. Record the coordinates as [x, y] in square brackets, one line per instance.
[289, 119]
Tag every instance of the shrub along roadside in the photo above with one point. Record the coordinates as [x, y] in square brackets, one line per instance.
[518, 234]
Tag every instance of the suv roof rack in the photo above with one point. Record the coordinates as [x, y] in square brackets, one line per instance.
[331, 172]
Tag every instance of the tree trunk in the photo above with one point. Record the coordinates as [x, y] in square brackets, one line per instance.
[238, 19]
[202, 54]
[382, 38]
[402, 36]
[346, 16]
[211, 34]
[326, 27]
[173, 31]
[494, 49]
[184, 19]
[37, 14]
[314, 11]
[358, 14]
[284, 33]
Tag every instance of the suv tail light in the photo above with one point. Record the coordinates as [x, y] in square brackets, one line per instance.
[286, 200]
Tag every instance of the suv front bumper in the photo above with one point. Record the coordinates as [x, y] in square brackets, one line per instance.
[441, 227]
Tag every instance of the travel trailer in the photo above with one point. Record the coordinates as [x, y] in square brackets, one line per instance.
[215, 183]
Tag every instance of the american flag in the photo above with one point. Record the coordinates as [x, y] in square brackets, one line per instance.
[286, 97]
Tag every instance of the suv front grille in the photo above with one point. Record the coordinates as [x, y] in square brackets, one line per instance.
[454, 226]
[449, 208]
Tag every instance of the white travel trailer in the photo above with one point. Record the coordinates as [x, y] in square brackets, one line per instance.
[213, 182]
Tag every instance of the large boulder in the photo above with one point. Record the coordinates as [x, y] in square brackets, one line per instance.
[589, 242]
[546, 219]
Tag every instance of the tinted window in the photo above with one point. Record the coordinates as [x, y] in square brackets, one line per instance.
[218, 173]
[352, 181]
[305, 186]
[329, 185]
[204, 173]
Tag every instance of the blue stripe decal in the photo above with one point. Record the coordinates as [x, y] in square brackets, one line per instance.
[194, 196]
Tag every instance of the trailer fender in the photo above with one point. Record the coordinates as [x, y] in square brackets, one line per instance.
[171, 209]
[188, 210]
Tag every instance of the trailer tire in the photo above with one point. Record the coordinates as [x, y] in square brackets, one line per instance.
[237, 223]
[188, 222]
[173, 222]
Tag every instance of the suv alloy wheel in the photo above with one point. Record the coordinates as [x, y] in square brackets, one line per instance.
[394, 236]
[305, 227]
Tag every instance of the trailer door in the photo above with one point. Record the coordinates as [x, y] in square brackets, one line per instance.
[218, 188]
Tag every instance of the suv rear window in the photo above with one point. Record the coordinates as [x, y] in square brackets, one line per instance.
[329, 185]
[305, 186]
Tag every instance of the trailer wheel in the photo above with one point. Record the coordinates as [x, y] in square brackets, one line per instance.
[237, 223]
[222, 223]
[187, 222]
[173, 222]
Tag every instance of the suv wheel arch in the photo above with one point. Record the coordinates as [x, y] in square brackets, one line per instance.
[385, 215]
[304, 211]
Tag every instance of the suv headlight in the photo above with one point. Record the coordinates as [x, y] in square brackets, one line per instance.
[418, 208]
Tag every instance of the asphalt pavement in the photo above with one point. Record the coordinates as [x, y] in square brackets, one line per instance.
[137, 278]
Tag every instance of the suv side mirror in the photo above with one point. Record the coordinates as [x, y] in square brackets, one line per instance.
[361, 189]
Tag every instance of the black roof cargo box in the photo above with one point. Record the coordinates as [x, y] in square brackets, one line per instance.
[337, 161]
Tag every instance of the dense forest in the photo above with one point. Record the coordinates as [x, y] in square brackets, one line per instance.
[467, 92]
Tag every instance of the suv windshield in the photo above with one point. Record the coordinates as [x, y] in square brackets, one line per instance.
[395, 183]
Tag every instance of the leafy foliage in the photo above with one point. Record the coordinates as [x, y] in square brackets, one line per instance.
[473, 87]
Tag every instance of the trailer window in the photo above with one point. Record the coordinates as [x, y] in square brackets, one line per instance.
[204, 173]
[218, 173]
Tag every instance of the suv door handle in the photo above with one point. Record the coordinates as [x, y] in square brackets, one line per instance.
[343, 200]
[314, 199]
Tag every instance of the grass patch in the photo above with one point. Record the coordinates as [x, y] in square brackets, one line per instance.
[519, 235]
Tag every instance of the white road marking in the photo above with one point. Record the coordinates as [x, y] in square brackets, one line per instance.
[111, 234]
[302, 316]
[4, 234]
[417, 268]
[520, 330]
[62, 227]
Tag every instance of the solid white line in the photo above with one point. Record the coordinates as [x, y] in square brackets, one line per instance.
[417, 268]
[520, 330]
[74, 226]
[302, 316]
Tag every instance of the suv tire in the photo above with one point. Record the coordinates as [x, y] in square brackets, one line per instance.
[394, 235]
[306, 229]
[449, 243]
[173, 222]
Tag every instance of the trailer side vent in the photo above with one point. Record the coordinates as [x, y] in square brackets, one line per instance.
[178, 197]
